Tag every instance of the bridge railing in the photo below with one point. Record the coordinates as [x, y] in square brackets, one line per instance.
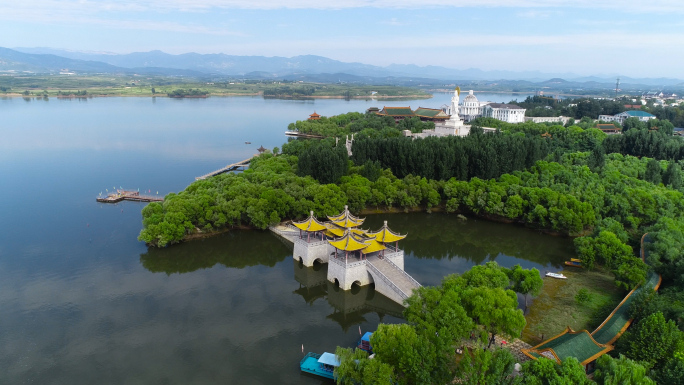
[407, 275]
[310, 243]
[388, 281]
[345, 264]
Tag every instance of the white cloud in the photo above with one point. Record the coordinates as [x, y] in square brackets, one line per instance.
[393, 21]
[90, 6]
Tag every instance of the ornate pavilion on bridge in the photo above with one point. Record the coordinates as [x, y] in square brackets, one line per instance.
[343, 234]
[354, 255]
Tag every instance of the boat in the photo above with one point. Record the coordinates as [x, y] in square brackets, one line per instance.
[320, 364]
[364, 343]
[574, 262]
[248, 142]
[556, 275]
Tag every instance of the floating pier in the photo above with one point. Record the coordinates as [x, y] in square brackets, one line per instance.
[124, 195]
[230, 167]
[298, 134]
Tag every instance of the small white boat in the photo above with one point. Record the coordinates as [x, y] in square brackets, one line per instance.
[556, 275]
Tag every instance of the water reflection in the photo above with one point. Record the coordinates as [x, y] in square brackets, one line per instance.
[444, 236]
[235, 249]
[349, 307]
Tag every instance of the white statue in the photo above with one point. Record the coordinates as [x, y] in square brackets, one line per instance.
[454, 102]
[454, 125]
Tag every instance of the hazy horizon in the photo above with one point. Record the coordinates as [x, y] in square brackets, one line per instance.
[586, 38]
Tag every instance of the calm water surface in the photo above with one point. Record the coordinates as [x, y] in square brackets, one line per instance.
[84, 302]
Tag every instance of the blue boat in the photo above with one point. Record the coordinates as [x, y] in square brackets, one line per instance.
[320, 364]
[364, 343]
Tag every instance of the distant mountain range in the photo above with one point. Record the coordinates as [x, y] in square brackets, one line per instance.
[305, 67]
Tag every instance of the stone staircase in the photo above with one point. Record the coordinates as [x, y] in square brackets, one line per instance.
[392, 276]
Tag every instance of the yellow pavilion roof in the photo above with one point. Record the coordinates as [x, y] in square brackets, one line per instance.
[346, 219]
[310, 224]
[373, 247]
[351, 242]
[385, 235]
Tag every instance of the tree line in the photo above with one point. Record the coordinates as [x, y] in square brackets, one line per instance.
[576, 188]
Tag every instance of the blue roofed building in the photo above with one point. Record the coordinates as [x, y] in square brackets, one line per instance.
[620, 118]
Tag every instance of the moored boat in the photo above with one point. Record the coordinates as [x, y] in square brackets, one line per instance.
[556, 275]
[320, 364]
[574, 262]
[364, 343]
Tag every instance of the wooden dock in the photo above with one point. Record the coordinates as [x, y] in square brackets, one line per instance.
[298, 134]
[231, 167]
[123, 195]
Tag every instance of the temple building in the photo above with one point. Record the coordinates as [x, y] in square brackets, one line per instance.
[314, 116]
[431, 114]
[353, 255]
[398, 113]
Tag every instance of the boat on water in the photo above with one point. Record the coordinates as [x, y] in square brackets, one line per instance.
[364, 343]
[320, 364]
[556, 275]
[574, 262]
[248, 142]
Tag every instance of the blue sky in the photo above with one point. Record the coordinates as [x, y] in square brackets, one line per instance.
[600, 37]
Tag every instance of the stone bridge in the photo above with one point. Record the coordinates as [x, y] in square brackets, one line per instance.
[386, 272]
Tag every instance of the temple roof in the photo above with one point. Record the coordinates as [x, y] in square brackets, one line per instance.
[385, 235]
[569, 343]
[335, 231]
[432, 113]
[310, 224]
[396, 111]
[346, 219]
[351, 242]
[373, 247]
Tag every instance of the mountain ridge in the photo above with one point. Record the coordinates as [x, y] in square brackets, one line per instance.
[42, 59]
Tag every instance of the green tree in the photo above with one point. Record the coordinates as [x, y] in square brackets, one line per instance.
[495, 309]
[623, 371]
[672, 373]
[653, 171]
[356, 368]
[526, 282]
[412, 357]
[673, 176]
[486, 367]
[583, 296]
[438, 312]
[544, 371]
[653, 340]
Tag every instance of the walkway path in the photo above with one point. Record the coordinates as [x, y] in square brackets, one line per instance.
[396, 276]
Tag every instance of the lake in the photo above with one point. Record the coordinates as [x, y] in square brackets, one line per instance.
[84, 302]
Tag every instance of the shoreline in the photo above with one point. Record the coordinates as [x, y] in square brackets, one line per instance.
[15, 95]
[199, 234]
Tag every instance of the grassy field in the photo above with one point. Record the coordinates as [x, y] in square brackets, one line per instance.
[108, 85]
[555, 308]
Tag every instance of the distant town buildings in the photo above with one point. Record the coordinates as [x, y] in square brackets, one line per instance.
[608, 128]
[472, 108]
[505, 112]
[620, 118]
[401, 113]
[548, 119]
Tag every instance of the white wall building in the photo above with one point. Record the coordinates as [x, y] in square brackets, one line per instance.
[509, 113]
[620, 118]
[548, 119]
